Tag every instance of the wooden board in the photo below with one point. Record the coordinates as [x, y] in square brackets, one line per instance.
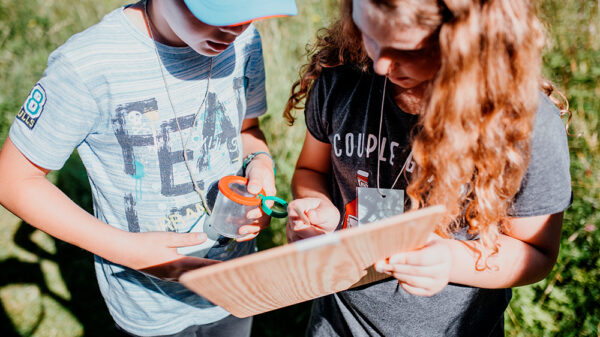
[310, 268]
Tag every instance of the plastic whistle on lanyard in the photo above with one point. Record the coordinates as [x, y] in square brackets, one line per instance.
[234, 202]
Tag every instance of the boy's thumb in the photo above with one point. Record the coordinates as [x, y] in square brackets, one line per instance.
[186, 239]
[253, 187]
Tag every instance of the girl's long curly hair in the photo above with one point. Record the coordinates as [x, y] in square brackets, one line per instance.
[472, 148]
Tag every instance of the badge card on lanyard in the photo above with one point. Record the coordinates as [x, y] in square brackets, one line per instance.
[373, 205]
[379, 203]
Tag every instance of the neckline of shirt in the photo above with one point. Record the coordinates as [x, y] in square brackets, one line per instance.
[146, 40]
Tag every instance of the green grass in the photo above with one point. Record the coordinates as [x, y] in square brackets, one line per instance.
[48, 288]
[566, 302]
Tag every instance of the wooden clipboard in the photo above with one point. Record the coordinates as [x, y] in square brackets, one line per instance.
[310, 268]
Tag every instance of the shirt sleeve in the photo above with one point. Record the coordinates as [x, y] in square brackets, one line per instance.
[315, 110]
[256, 98]
[546, 186]
[56, 116]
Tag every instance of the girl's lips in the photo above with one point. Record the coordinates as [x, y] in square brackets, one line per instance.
[401, 80]
[217, 46]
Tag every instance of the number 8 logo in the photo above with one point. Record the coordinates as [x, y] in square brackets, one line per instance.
[36, 100]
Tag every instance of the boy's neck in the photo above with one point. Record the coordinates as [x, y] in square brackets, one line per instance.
[160, 28]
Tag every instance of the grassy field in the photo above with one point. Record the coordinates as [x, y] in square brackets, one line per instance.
[47, 287]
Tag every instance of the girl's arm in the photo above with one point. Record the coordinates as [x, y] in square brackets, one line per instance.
[526, 255]
[259, 172]
[27, 193]
[309, 185]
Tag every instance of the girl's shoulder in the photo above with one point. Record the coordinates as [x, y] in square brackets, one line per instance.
[342, 79]
[548, 125]
[344, 72]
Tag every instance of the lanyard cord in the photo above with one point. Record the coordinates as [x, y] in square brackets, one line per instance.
[183, 142]
[408, 158]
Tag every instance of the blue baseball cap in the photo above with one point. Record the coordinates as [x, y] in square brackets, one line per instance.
[236, 12]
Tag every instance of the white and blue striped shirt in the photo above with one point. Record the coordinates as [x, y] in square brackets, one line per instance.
[103, 94]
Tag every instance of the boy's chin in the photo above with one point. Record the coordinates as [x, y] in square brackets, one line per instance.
[207, 52]
[210, 50]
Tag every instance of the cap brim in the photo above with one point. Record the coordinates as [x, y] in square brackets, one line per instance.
[235, 12]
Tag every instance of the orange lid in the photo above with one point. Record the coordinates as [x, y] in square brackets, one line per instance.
[225, 188]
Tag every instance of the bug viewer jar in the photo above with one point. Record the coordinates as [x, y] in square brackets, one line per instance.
[234, 202]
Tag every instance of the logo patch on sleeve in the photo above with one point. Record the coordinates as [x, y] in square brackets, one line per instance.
[34, 105]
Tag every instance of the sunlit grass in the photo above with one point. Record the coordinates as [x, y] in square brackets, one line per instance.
[41, 295]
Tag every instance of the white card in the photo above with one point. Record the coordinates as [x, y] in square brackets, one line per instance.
[373, 206]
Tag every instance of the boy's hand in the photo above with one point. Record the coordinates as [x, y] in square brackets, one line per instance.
[155, 253]
[309, 217]
[422, 272]
[260, 177]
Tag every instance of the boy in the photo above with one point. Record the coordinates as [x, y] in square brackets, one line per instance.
[161, 100]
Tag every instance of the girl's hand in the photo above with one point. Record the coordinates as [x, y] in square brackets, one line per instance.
[155, 253]
[309, 217]
[260, 177]
[422, 272]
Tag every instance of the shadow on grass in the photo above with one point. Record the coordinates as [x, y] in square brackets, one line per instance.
[77, 271]
[76, 267]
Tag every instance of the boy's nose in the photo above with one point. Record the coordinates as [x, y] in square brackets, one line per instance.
[234, 30]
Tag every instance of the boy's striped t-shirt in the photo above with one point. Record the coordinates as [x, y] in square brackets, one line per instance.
[103, 94]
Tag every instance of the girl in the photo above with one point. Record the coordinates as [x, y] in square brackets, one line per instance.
[440, 99]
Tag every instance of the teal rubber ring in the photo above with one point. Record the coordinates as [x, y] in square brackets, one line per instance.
[271, 212]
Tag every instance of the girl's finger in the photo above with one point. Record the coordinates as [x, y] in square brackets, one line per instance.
[426, 283]
[419, 257]
[301, 214]
[408, 269]
[300, 225]
[316, 217]
[383, 267]
[298, 207]
[416, 290]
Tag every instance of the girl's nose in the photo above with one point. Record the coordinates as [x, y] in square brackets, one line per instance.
[382, 65]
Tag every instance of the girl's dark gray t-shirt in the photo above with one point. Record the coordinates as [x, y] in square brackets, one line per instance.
[343, 109]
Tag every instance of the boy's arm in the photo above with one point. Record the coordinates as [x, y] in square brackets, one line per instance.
[259, 172]
[28, 194]
[253, 140]
[309, 187]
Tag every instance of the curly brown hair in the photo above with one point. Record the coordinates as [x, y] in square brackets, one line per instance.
[472, 148]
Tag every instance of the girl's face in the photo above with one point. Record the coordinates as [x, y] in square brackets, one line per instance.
[408, 56]
[203, 38]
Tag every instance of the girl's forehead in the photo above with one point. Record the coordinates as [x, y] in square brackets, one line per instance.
[381, 27]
